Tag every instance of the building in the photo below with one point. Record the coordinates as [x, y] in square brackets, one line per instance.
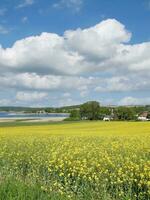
[143, 116]
[107, 118]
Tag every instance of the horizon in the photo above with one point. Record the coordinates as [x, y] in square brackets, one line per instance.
[64, 52]
[73, 106]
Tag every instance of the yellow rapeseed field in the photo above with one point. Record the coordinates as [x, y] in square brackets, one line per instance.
[85, 160]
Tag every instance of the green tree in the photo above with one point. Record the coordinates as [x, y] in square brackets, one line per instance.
[104, 111]
[148, 116]
[125, 113]
[90, 110]
[75, 114]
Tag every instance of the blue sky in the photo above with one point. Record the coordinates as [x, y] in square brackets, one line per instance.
[62, 52]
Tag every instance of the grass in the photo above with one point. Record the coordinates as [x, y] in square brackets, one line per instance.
[23, 123]
[78, 161]
[17, 190]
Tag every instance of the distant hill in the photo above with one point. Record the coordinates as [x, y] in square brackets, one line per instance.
[19, 109]
[64, 108]
[30, 109]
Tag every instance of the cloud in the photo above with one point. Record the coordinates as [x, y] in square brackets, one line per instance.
[66, 94]
[101, 42]
[104, 49]
[3, 30]
[88, 61]
[31, 96]
[5, 102]
[25, 3]
[134, 101]
[50, 53]
[30, 81]
[84, 93]
[41, 54]
[70, 4]
[131, 82]
[81, 87]
[68, 102]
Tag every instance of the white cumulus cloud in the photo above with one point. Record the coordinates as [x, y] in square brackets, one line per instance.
[96, 59]
[96, 49]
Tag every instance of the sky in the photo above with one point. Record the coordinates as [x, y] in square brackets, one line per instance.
[66, 52]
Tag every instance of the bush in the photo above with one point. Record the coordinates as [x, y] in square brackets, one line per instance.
[74, 116]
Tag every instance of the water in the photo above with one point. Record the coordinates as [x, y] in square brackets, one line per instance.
[32, 115]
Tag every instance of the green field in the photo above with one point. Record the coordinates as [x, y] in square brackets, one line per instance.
[82, 160]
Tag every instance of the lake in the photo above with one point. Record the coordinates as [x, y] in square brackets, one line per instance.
[31, 115]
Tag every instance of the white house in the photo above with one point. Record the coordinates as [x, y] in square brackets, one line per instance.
[141, 118]
[107, 118]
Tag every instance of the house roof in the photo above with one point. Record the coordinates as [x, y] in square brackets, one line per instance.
[144, 114]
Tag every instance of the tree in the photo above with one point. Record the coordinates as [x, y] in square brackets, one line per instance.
[74, 116]
[90, 110]
[148, 116]
[104, 111]
[125, 113]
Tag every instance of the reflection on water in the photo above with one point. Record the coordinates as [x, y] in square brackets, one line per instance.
[31, 115]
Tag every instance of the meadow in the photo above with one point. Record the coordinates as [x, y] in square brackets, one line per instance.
[77, 161]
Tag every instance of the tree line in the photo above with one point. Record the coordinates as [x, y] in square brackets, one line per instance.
[93, 111]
